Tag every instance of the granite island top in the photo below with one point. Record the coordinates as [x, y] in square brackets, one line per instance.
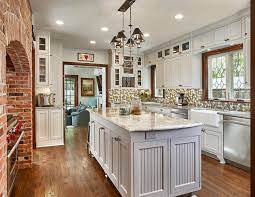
[147, 121]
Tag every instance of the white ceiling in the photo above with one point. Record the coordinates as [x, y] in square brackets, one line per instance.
[84, 18]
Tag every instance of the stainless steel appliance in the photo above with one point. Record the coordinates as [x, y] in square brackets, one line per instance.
[180, 99]
[179, 113]
[45, 100]
[237, 140]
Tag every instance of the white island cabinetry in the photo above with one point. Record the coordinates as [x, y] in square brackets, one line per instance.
[150, 159]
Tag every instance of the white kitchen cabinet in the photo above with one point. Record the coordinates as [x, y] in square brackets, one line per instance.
[49, 127]
[247, 27]
[211, 141]
[56, 124]
[185, 71]
[172, 72]
[247, 58]
[43, 43]
[151, 180]
[178, 72]
[228, 33]
[42, 69]
[160, 74]
[116, 77]
[185, 150]
[42, 126]
[202, 41]
[180, 48]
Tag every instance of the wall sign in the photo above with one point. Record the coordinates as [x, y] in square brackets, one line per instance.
[86, 57]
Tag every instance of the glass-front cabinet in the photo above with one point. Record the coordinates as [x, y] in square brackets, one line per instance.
[42, 69]
[139, 78]
[43, 43]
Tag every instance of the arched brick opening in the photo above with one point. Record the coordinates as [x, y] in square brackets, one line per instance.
[19, 95]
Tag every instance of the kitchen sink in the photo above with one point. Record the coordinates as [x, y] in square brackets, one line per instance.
[206, 116]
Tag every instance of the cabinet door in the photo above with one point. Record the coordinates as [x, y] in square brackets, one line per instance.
[106, 149]
[220, 35]
[139, 78]
[173, 72]
[197, 43]
[185, 165]
[247, 26]
[151, 169]
[235, 30]
[211, 141]
[124, 167]
[117, 77]
[92, 136]
[42, 70]
[96, 140]
[42, 126]
[56, 124]
[43, 43]
[114, 156]
[186, 71]
[101, 152]
[160, 71]
[247, 54]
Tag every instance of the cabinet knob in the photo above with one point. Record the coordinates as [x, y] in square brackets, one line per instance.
[226, 39]
[246, 34]
[202, 47]
[203, 130]
[101, 128]
[180, 85]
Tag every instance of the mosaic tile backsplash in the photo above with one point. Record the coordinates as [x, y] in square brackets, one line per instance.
[192, 96]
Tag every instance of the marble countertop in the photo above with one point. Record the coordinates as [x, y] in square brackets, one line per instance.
[237, 114]
[147, 121]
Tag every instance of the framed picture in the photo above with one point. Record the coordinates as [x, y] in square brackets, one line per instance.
[87, 87]
[86, 57]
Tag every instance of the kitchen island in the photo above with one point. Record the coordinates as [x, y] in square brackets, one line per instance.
[149, 155]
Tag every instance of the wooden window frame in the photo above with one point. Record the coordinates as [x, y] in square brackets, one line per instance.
[76, 77]
[153, 74]
[205, 80]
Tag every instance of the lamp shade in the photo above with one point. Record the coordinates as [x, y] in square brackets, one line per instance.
[138, 35]
[130, 43]
[121, 37]
[114, 41]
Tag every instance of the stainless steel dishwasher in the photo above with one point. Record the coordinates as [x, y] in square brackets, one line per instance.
[237, 140]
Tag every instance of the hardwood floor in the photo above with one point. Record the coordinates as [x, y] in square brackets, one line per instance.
[69, 171]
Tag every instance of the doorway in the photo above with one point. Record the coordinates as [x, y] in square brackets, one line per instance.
[71, 91]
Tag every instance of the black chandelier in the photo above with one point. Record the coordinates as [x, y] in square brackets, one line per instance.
[135, 39]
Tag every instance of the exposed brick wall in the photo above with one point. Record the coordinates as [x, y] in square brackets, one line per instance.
[15, 77]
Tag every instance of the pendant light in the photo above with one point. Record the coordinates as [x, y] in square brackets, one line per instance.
[138, 36]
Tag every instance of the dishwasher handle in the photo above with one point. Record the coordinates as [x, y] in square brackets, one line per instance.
[236, 122]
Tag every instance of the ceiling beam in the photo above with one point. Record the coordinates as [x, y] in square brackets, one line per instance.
[126, 5]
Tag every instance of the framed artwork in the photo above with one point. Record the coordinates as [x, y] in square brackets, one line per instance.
[87, 87]
[86, 57]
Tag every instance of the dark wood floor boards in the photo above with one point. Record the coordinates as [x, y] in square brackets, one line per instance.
[68, 171]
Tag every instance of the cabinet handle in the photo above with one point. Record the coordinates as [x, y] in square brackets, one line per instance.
[203, 130]
[101, 128]
[180, 85]
[226, 39]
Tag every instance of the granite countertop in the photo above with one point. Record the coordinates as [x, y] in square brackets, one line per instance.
[147, 121]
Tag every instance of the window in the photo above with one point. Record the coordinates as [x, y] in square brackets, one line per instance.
[71, 91]
[227, 76]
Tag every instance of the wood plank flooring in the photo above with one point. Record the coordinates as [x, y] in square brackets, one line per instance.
[68, 171]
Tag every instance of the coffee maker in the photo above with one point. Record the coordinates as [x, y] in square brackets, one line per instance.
[180, 99]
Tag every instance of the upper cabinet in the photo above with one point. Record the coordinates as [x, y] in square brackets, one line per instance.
[228, 33]
[202, 41]
[247, 26]
[43, 43]
[180, 48]
[42, 60]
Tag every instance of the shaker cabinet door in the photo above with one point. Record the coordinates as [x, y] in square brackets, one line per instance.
[114, 159]
[56, 124]
[42, 126]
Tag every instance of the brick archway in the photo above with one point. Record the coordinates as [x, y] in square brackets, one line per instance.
[19, 95]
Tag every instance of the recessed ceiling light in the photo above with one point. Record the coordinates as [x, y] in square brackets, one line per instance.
[104, 29]
[178, 16]
[92, 42]
[146, 34]
[59, 22]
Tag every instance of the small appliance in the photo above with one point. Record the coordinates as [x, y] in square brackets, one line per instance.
[45, 100]
[180, 99]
